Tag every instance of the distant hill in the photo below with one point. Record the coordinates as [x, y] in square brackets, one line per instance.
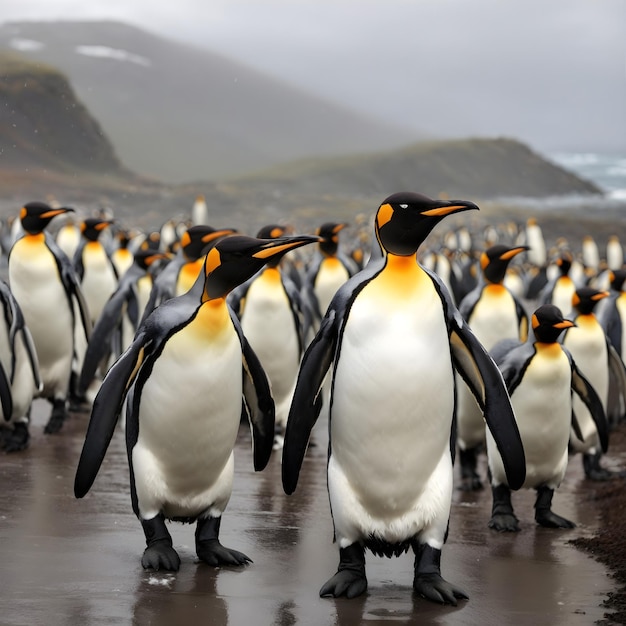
[179, 113]
[43, 124]
[51, 145]
[480, 167]
[49, 141]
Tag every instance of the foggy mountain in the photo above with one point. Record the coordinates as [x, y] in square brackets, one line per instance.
[180, 113]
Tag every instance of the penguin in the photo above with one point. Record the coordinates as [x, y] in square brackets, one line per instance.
[493, 313]
[119, 320]
[183, 379]
[614, 253]
[541, 377]
[590, 255]
[199, 211]
[275, 322]
[44, 283]
[612, 315]
[68, 237]
[394, 339]
[537, 254]
[122, 256]
[94, 268]
[182, 271]
[596, 359]
[168, 235]
[560, 289]
[19, 373]
[329, 269]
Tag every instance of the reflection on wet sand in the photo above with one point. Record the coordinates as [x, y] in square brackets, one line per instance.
[67, 561]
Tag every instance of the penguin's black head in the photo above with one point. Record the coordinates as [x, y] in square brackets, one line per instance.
[617, 279]
[585, 299]
[564, 262]
[405, 219]
[35, 216]
[548, 323]
[235, 259]
[329, 235]
[93, 226]
[273, 231]
[123, 238]
[146, 258]
[495, 260]
[152, 241]
[196, 240]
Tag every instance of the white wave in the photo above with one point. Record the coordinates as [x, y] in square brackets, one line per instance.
[576, 159]
[104, 52]
[617, 194]
[26, 45]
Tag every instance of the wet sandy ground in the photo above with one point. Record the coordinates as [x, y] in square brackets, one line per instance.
[65, 561]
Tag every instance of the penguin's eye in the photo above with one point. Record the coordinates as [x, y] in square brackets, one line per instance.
[404, 206]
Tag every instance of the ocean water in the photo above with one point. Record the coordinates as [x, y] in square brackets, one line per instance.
[608, 171]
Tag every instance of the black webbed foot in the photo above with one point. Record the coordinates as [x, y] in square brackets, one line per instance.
[544, 516]
[57, 417]
[428, 581]
[502, 516]
[434, 588]
[17, 439]
[210, 550]
[350, 579]
[159, 553]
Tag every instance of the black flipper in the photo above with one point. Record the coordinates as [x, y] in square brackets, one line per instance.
[6, 397]
[99, 345]
[307, 399]
[104, 415]
[484, 379]
[259, 402]
[586, 392]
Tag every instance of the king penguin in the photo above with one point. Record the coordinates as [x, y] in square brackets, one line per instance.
[45, 285]
[94, 268]
[275, 323]
[19, 373]
[612, 317]
[394, 339]
[541, 377]
[183, 379]
[119, 320]
[329, 269]
[493, 313]
[183, 270]
[560, 289]
[599, 362]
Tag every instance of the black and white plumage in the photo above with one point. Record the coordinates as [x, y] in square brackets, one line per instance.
[119, 320]
[393, 339]
[598, 360]
[183, 380]
[541, 377]
[493, 313]
[182, 271]
[44, 283]
[19, 373]
[275, 321]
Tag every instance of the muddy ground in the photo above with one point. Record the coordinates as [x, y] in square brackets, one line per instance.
[65, 561]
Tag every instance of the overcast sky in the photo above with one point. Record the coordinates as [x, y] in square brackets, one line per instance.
[550, 72]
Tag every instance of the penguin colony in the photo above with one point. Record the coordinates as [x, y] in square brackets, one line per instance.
[422, 341]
